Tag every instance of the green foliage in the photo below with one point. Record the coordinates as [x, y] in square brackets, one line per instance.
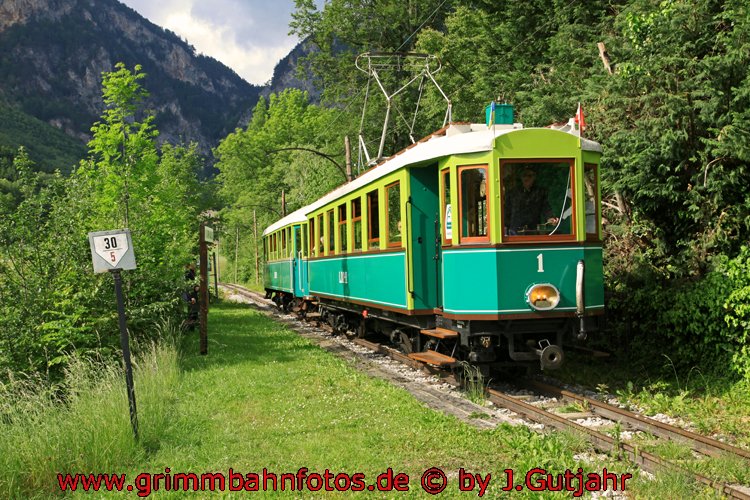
[51, 304]
[737, 308]
[258, 163]
[48, 147]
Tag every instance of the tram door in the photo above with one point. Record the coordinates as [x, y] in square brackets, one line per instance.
[424, 206]
[300, 261]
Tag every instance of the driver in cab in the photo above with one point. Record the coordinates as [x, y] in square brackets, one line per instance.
[527, 206]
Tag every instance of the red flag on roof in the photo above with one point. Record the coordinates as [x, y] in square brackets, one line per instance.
[580, 120]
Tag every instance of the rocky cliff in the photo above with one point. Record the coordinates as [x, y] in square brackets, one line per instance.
[53, 53]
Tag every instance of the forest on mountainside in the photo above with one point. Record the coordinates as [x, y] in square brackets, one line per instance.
[52, 55]
[671, 108]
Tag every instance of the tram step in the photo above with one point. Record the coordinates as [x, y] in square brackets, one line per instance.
[313, 315]
[441, 333]
[433, 358]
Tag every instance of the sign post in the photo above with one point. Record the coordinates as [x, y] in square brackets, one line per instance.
[112, 251]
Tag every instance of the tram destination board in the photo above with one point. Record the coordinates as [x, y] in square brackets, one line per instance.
[111, 250]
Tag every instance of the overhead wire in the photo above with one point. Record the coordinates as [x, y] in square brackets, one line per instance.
[504, 58]
[335, 119]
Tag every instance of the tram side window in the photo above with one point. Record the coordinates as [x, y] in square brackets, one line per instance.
[393, 206]
[331, 233]
[357, 224]
[591, 200]
[320, 239]
[297, 243]
[447, 209]
[265, 249]
[283, 244]
[373, 219]
[303, 246]
[537, 199]
[313, 249]
[342, 227]
[273, 246]
[473, 192]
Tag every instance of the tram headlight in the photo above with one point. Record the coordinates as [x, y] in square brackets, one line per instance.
[543, 297]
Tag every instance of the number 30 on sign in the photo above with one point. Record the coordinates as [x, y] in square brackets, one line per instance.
[111, 250]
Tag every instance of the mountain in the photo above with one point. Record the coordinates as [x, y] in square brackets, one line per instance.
[286, 74]
[53, 53]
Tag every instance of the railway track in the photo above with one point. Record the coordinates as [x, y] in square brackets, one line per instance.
[602, 442]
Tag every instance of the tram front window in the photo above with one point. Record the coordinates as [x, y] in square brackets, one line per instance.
[537, 200]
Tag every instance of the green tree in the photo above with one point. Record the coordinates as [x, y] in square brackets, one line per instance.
[275, 153]
[51, 303]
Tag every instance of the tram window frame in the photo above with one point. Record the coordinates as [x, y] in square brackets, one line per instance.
[265, 249]
[342, 225]
[568, 165]
[445, 200]
[273, 246]
[331, 232]
[373, 219]
[587, 191]
[319, 236]
[297, 250]
[389, 189]
[462, 223]
[356, 207]
[311, 240]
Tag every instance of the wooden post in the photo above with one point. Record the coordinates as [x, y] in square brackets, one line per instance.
[236, 252]
[125, 344]
[255, 243]
[218, 271]
[348, 149]
[283, 204]
[203, 297]
[216, 275]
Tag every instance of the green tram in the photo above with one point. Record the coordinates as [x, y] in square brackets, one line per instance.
[479, 243]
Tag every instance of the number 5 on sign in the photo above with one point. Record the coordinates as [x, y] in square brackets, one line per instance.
[111, 250]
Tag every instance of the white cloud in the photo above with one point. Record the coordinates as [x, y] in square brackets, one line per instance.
[249, 36]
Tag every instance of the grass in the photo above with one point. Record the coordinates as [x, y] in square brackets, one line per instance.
[86, 430]
[474, 384]
[266, 398]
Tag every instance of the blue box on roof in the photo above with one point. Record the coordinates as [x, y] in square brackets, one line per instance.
[503, 114]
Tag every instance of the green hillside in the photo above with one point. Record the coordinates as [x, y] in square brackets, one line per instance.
[49, 148]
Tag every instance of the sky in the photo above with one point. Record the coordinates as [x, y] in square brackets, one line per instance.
[249, 36]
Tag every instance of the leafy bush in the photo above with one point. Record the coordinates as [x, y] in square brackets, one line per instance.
[738, 310]
[51, 303]
[700, 322]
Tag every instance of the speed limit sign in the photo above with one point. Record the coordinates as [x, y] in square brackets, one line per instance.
[112, 250]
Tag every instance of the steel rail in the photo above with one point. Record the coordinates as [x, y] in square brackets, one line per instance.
[607, 444]
[698, 442]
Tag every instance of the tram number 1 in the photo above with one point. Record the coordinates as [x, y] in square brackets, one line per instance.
[540, 263]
